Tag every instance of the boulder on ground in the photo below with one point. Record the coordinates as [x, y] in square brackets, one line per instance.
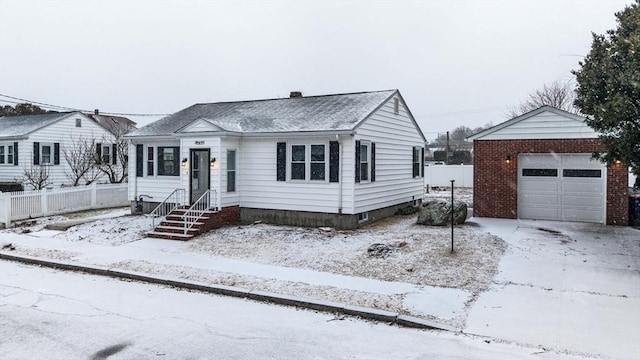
[438, 213]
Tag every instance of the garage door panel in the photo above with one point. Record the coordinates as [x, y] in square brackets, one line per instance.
[541, 199]
[583, 187]
[581, 215]
[540, 186]
[546, 213]
[580, 201]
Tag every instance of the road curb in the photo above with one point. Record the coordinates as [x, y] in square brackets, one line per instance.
[288, 300]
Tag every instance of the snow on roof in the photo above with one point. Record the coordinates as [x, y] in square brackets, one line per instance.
[17, 126]
[311, 113]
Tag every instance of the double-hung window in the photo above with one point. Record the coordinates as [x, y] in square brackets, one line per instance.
[106, 154]
[150, 161]
[309, 162]
[231, 170]
[45, 154]
[364, 161]
[298, 162]
[318, 162]
[8, 154]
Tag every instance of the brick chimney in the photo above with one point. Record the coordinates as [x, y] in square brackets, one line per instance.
[295, 94]
[96, 112]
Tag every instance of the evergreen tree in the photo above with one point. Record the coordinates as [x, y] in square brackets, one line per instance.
[22, 109]
[608, 89]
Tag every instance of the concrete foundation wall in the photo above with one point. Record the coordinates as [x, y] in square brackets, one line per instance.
[315, 219]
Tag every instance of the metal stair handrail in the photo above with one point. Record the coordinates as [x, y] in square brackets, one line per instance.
[172, 202]
[191, 216]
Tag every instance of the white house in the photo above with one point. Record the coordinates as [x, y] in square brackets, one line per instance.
[31, 143]
[333, 160]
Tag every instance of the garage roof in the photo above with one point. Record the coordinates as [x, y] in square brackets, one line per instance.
[546, 122]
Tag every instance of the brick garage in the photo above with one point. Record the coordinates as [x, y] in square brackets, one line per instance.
[496, 163]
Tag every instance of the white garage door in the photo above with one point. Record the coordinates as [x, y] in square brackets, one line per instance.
[567, 187]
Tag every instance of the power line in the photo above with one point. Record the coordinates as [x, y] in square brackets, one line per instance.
[73, 109]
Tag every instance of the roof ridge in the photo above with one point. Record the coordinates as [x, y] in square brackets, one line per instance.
[289, 98]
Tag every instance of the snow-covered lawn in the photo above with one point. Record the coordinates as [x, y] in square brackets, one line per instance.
[419, 255]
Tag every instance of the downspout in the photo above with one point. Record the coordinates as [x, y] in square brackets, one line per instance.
[339, 175]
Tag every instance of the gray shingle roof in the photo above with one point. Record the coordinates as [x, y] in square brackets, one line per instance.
[18, 126]
[340, 112]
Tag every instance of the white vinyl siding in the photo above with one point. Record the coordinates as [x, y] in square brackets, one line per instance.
[261, 190]
[395, 136]
[546, 125]
[220, 172]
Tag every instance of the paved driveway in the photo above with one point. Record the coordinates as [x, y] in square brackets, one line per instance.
[564, 286]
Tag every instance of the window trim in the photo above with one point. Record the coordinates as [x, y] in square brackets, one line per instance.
[367, 144]
[42, 146]
[105, 156]
[150, 162]
[303, 162]
[78, 122]
[11, 153]
[160, 161]
[308, 162]
[234, 170]
[2, 155]
[323, 162]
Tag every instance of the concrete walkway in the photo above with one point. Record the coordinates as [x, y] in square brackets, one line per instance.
[564, 286]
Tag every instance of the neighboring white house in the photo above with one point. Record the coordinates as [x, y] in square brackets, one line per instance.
[333, 160]
[34, 142]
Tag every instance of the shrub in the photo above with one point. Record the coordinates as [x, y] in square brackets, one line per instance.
[10, 187]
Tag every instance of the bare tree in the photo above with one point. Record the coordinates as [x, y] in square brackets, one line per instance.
[37, 176]
[116, 165]
[557, 94]
[79, 155]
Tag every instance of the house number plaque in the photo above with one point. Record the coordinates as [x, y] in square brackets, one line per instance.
[199, 142]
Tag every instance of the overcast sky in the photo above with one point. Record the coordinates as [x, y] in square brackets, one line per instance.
[455, 62]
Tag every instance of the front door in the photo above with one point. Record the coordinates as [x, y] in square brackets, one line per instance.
[200, 174]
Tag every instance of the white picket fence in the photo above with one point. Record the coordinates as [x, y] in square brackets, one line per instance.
[441, 175]
[31, 204]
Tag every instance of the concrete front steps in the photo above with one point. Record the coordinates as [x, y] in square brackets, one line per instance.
[172, 228]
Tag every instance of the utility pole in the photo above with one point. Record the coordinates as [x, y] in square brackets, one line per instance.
[448, 150]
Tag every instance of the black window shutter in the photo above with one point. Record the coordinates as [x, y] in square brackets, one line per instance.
[281, 161]
[422, 161]
[357, 161]
[139, 160]
[36, 153]
[373, 162]
[56, 153]
[334, 161]
[15, 153]
[414, 160]
[115, 152]
[99, 153]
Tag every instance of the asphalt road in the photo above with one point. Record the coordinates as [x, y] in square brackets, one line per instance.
[50, 314]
